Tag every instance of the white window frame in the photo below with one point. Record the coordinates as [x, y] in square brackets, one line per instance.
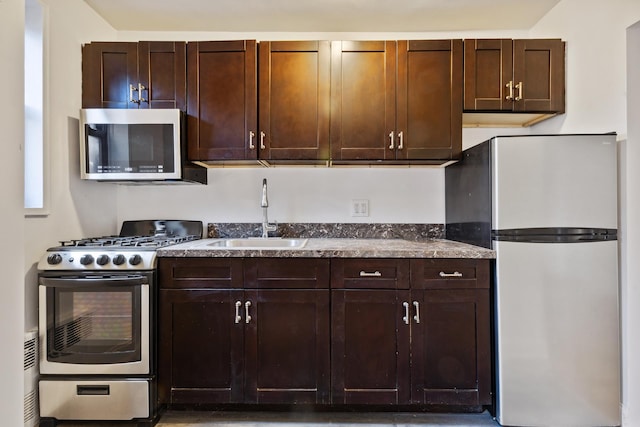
[40, 138]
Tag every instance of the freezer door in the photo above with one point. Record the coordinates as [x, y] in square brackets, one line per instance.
[557, 334]
[554, 181]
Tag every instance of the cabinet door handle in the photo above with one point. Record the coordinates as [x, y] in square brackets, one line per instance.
[247, 317]
[405, 319]
[370, 274]
[251, 136]
[140, 89]
[238, 317]
[132, 89]
[391, 140]
[400, 140]
[509, 86]
[454, 274]
[520, 87]
[416, 304]
[262, 135]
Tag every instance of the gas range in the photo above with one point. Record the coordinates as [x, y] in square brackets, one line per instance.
[131, 250]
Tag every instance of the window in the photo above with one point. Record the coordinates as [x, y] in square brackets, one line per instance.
[35, 188]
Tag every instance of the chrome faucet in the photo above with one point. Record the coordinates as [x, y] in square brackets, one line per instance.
[264, 203]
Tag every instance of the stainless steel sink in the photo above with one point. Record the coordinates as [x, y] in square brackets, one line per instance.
[259, 243]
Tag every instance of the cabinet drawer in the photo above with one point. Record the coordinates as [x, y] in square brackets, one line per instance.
[194, 273]
[449, 273]
[286, 273]
[370, 273]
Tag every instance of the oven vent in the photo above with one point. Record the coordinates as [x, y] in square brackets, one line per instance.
[31, 379]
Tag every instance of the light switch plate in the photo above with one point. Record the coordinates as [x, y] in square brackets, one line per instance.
[359, 207]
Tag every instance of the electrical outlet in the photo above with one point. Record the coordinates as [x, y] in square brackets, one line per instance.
[359, 207]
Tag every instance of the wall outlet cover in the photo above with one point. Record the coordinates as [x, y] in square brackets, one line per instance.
[360, 207]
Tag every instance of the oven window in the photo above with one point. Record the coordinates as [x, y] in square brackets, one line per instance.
[91, 325]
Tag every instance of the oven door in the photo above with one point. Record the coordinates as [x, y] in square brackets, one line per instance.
[94, 324]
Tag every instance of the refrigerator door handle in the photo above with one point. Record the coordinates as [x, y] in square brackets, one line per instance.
[555, 235]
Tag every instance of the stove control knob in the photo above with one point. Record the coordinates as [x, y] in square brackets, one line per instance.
[135, 259]
[86, 259]
[119, 259]
[103, 259]
[54, 259]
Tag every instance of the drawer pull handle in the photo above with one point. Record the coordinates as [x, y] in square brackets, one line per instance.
[416, 304]
[247, 317]
[454, 274]
[238, 317]
[251, 136]
[93, 390]
[368, 274]
[391, 147]
[405, 319]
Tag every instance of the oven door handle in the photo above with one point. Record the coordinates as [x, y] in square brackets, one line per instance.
[57, 282]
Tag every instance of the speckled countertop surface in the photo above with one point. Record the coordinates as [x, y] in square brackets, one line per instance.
[336, 248]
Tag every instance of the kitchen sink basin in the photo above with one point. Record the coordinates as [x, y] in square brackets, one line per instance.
[259, 243]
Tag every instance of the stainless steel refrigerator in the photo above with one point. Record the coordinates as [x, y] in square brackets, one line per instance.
[548, 206]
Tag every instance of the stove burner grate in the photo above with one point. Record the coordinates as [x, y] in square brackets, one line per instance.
[128, 241]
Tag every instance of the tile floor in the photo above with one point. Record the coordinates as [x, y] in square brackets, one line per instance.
[351, 419]
[294, 419]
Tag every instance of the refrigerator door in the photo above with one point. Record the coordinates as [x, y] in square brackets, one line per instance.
[554, 181]
[557, 321]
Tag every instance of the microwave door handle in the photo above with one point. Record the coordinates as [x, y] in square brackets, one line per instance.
[58, 282]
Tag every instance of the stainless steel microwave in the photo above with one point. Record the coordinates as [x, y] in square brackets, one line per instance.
[134, 145]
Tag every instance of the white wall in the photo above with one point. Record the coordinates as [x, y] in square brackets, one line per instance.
[631, 237]
[396, 195]
[11, 172]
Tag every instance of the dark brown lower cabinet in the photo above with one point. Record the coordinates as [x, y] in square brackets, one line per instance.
[272, 331]
[450, 354]
[221, 346]
[287, 346]
[201, 356]
[370, 347]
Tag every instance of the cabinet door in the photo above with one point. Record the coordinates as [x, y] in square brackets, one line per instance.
[287, 346]
[370, 347]
[221, 106]
[450, 347]
[200, 349]
[538, 67]
[162, 71]
[363, 100]
[108, 70]
[294, 100]
[488, 70]
[429, 106]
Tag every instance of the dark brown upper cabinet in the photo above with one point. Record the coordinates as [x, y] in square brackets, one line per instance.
[429, 103]
[134, 75]
[222, 100]
[520, 76]
[294, 81]
[396, 100]
[363, 100]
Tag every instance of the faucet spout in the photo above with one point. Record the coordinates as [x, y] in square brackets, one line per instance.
[264, 203]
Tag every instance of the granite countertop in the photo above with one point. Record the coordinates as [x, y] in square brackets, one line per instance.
[337, 248]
